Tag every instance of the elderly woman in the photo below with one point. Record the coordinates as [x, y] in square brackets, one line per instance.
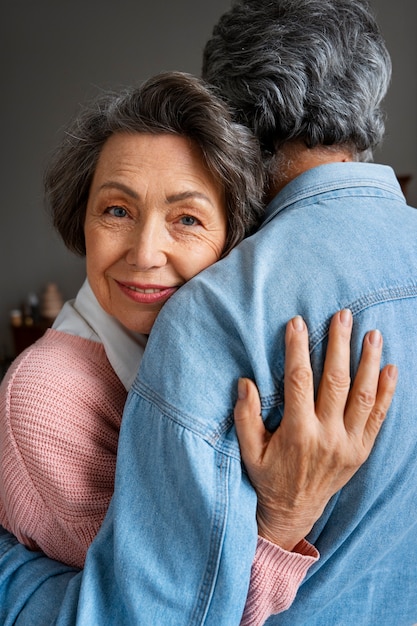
[152, 186]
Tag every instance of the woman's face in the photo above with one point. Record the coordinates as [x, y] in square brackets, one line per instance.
[155, 218]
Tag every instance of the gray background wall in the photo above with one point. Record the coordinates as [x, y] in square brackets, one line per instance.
[57, 54]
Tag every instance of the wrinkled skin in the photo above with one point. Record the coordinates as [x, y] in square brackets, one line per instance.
[320, 444]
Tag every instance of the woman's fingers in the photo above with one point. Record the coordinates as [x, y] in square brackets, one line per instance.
[372, 391]
[364, 407]
[250, 428]
[277, 463]
[385, 393]
[317, 447]
[335, 382]
[364, 389]
[298, 375]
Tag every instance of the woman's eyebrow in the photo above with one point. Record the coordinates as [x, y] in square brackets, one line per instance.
[185, 195]
[171, 199]
[115, 185]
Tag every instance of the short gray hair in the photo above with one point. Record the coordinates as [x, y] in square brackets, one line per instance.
[169, 103]
[311, 70]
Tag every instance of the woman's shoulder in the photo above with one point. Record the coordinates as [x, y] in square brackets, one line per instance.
[61, 406]
[63, 343]
[57, 350]
[60, 384]
[60, 364]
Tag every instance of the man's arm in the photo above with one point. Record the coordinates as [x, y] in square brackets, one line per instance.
[32, 586]
[120, 582]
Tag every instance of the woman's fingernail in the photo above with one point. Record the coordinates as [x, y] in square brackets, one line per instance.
[346, 317]
[375, 338]
[242, 391]
[392, 372]
[298, 323]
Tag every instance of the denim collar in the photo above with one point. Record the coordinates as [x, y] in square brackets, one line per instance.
[333, 177]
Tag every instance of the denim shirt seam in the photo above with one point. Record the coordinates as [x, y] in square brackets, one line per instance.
[217, 536]
[212, 437]
[366, 301]
[357, 306]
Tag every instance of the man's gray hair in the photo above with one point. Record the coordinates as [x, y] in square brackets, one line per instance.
[310, 70]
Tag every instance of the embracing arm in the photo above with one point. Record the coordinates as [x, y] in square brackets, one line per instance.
[329, 440]
[32, 586]
[54, 591]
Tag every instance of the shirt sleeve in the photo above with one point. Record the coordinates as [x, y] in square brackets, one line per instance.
[213, 582]
[158, 558]
[32, 586]
[275, 577]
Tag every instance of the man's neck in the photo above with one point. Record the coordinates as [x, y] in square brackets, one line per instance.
[294, 158]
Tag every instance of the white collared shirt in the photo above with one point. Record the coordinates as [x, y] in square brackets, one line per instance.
[85, 318]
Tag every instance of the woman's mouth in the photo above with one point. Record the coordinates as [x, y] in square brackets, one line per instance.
[146, 294]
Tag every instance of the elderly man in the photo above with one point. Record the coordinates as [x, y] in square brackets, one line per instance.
[308, 76]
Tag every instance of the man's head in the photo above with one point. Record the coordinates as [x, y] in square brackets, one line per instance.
[302, 71]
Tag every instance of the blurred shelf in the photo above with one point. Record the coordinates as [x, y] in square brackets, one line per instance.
[25, 335]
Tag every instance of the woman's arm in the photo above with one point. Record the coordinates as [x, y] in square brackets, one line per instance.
[60, 411]
[317, 448]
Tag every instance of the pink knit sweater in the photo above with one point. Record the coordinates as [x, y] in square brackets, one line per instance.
[60, 410]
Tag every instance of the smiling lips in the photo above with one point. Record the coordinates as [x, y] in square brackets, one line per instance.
[146, 294]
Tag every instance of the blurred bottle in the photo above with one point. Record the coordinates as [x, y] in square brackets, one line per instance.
[32, 310]
[51, 302]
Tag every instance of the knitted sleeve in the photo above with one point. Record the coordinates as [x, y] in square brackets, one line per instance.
[60, 410]
[275, 577]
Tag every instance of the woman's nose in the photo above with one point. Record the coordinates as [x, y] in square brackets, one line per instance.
[147, 248]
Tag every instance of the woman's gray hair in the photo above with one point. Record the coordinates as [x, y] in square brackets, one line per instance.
[169, 103]
[312, 70]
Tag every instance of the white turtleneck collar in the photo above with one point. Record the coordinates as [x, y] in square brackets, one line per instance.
[85, 318]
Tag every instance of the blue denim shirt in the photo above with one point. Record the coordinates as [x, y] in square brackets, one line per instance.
[177, 544]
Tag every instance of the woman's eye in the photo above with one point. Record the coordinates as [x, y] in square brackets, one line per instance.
[189, 220]
[117, 211]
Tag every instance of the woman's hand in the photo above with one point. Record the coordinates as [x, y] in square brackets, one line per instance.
[318, 445]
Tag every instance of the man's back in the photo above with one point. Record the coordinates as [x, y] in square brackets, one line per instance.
[342, 238]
